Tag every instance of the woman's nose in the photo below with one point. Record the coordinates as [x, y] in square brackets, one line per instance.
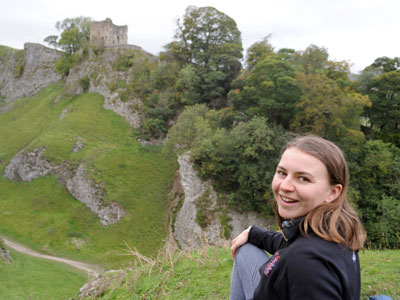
[287, 185]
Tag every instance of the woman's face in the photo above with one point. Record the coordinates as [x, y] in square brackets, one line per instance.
[301, 183]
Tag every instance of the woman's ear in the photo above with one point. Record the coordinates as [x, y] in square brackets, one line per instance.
[336, 190]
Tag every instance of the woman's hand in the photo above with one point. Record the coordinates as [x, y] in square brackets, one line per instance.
[240, 240]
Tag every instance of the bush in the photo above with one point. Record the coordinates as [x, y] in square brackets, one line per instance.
[64, 64]
[84, 82]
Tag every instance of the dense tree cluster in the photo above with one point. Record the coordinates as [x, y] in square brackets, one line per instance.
[234, 119]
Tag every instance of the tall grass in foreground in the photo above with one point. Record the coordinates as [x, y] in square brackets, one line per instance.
[205, 274]
[32, 278]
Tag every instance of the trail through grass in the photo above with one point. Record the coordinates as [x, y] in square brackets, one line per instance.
[38, 279]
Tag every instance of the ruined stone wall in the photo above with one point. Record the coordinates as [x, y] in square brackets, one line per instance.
[105, 33]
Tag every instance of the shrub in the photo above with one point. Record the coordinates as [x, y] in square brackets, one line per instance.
[84, 82]
[64, 64]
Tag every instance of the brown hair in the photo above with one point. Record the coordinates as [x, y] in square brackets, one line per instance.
[336, 221]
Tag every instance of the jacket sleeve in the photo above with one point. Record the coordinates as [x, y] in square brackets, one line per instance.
[267, 240]
[311, 276]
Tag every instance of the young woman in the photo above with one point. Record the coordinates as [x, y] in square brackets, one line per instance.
[315, 256]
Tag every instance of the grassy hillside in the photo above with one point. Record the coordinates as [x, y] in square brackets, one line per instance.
[205, 274]
[38, 279]
[42, 214]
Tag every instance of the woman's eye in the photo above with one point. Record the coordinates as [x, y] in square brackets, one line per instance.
[280, 173]
[302, 178]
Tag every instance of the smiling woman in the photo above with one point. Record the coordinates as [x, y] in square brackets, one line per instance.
[320, 232]
[301, 183]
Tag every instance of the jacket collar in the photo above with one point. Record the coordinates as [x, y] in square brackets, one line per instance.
[290, 228]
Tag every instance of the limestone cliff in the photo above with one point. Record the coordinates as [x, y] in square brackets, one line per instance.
[23, 73]
[188, 233]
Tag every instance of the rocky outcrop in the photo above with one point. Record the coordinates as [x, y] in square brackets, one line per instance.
[82, 188]
[23, 73]
[26, 166]
[187, 232]
[102, 77]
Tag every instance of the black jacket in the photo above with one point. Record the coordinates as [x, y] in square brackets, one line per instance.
[305, 267]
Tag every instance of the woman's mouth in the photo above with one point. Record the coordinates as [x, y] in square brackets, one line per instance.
[287, 200]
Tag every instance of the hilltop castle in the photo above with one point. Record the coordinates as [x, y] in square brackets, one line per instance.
[106, 34]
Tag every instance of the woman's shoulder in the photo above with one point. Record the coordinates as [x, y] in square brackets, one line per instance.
[314, 253]
[315, 246]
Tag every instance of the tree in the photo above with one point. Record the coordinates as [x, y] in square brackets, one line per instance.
[381, 82]
[82, 23]
[384, 113]
[187, 85]
[70, 40]
[267, 90]
[52, 41]
[314, 59]
[376, 181]
[327, 109]
[258, 51]
[75, 32]
[210, 41]
[386, 64]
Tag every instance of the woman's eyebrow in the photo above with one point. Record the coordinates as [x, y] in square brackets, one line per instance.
[305, 173]
[297, 172]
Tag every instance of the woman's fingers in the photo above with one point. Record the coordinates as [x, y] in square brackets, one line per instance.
[240, 240]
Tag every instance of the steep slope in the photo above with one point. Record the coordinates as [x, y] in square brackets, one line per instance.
[72, 132]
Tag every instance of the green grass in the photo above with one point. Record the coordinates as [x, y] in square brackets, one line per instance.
[38, 279]
[41, 214]
[380, 272]
[205, 274]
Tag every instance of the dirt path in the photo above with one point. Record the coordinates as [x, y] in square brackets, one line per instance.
[91, 269]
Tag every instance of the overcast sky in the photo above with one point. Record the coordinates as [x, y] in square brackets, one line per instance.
[358, 31]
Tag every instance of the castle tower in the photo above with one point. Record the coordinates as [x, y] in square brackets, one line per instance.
[105, 33]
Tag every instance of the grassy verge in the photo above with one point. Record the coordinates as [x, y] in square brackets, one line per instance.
[38, 279]
[205, 274]
[380, 270]
[42, 215]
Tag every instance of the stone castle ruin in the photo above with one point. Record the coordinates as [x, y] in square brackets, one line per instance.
[106, 34]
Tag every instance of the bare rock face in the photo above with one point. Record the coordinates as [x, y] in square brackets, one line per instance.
[83, 189]
[188, 233]
[102, 75]
[24, 73]
[26, 166]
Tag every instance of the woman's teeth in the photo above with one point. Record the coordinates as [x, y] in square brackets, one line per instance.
[288, 200]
